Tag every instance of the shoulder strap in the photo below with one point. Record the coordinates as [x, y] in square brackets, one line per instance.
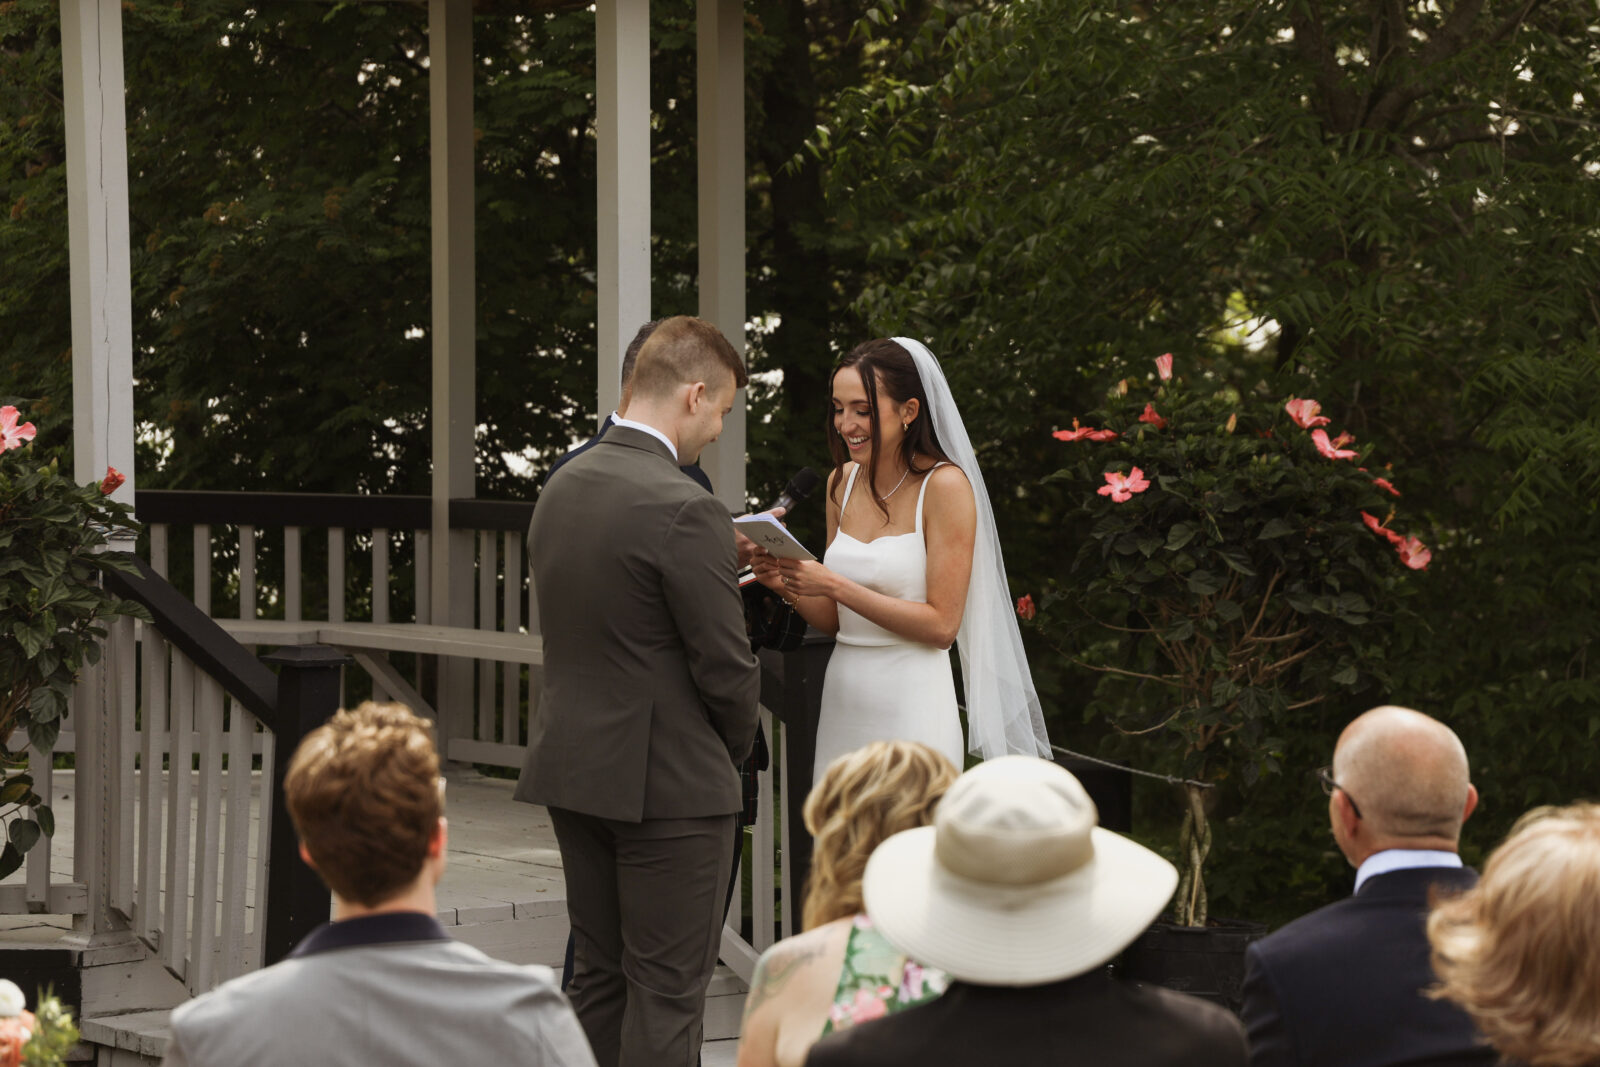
[849, 484]
[923, 492]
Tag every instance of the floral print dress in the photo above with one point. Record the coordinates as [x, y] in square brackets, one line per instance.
[877, 980]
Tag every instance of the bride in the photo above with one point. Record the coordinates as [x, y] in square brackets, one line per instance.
[912, 564]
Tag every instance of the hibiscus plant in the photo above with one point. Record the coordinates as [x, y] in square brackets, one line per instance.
[53, 539]
[1235, 566]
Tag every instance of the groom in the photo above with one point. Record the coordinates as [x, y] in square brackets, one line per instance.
[649, 701]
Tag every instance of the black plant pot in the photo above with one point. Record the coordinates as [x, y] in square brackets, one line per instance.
[1205, 961]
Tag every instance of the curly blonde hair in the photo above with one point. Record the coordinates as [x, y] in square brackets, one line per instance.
[864, 797]
[1521, 951]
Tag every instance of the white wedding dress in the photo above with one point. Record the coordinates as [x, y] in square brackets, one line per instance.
[880, 686]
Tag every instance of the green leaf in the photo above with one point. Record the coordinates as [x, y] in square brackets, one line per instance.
[10, 859]
[1345, 675]
[47, 820]
[1181, 534]
[1229, 611]
[46, 704]
[16, 787]
[1237, 561]
[1203, 582]
[1275, 528]
[31, 639]
[43, 735]
[24, 833]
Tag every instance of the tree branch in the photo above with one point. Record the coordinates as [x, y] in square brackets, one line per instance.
[1130, 674]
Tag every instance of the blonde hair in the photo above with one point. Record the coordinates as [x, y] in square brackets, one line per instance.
[1521, 951]
[363, 793]
[864, 797]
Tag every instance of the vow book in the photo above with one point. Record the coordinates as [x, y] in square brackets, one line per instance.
[771, 535]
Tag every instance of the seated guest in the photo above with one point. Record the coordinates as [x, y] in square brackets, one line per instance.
[1521, 951]
[1345, 984]
[841, 971]
[1021, 900]
[382, 983]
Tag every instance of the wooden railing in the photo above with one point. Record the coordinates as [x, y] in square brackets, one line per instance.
[193, 734]
[246, 557]
[183, 854]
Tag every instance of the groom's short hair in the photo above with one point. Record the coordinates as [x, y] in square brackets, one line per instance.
[683, 350]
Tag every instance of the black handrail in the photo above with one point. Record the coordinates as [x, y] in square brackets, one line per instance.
[198, 636]
[349, 510]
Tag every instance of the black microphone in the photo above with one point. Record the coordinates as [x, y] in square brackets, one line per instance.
[799, 487]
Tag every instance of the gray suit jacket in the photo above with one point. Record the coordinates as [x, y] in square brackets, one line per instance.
[650, 687]
[390, 989]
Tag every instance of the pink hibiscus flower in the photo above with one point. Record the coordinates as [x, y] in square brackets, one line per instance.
[12, 435]
[1025, 608]
[1386, 485]
[1120, 487]
[113, 479]
[1306, 413]
[1085, 433]
[1381, 530]
[1413, 553]
[1329, 448]
[1164, 366]
[1152, 417]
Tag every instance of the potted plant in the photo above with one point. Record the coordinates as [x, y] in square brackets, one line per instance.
[1236, 566]
[53, 539]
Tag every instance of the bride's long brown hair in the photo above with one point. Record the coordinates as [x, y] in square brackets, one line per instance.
[883, 363]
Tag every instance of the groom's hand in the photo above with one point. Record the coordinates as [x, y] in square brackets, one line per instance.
[747, 548]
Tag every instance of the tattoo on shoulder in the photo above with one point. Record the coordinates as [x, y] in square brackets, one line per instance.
[776, 967]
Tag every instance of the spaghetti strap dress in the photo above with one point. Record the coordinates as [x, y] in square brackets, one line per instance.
[880, 686]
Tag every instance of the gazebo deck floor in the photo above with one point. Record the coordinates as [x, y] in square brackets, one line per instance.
[502, 891]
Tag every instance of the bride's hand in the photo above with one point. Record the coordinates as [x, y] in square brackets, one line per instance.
[806, 577]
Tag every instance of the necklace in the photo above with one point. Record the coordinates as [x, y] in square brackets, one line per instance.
[896, 489]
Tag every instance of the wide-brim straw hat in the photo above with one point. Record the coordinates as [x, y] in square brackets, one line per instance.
[1014, 884]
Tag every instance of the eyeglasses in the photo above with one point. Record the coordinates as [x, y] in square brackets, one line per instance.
[1325, 778]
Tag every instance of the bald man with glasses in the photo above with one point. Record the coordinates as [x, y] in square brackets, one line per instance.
[1344, 984]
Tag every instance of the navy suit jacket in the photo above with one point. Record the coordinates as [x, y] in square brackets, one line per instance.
[1090, 1019]
[1344, 984]
[692, 470]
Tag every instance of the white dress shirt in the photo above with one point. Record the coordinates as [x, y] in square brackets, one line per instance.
[1400, 859]
[618, 420]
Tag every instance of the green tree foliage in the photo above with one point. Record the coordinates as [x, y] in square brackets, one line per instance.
[1390, 207]
[279, 201]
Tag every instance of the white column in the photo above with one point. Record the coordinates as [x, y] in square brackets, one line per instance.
[454, 359]
[622, 128]
[97, 240]
[720, 93]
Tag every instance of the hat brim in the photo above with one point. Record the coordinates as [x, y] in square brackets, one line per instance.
[993, 934]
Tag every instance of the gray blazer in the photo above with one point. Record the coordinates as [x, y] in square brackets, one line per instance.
[392, 1002]
[650, 687]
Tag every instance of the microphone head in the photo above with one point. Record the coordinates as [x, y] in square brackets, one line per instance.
[801, 485]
